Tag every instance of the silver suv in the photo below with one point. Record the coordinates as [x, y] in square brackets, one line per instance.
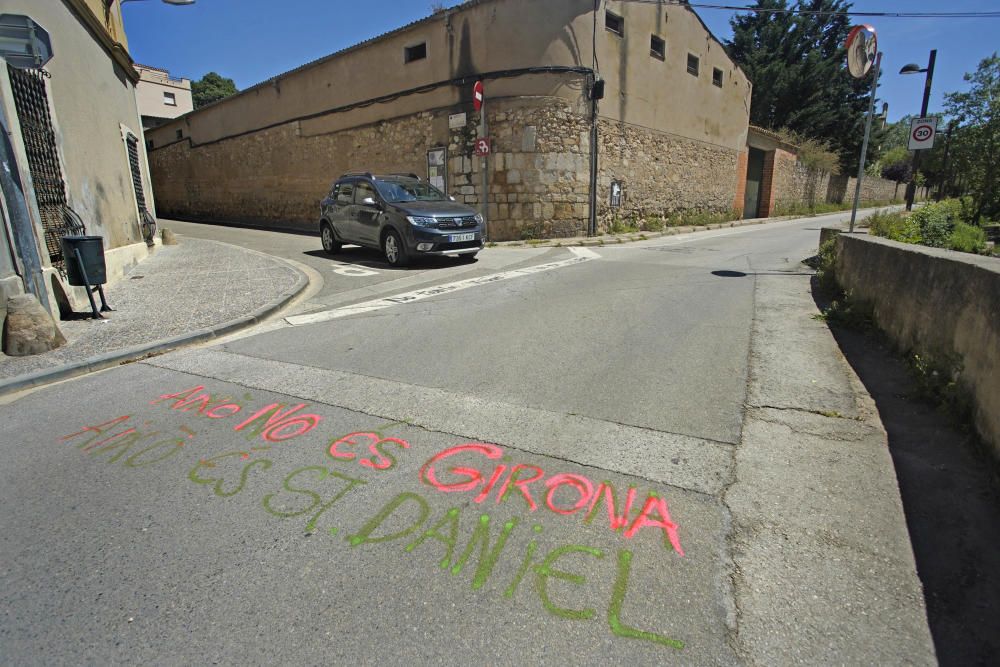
[399, 214]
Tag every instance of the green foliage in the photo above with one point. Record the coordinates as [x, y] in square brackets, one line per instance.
[826, 273]
[937, 225]
[814, 154]
[211, 88]
[896, 164]
[966, 238]
[936, 378]
[976, 143]
[936, 221]
[796, 62]
[894, 226]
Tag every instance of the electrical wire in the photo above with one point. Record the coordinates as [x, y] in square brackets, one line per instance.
[810, 12]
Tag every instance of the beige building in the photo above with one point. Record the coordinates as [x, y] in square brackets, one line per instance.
[670, 128]
[75, 149]
[161, 97]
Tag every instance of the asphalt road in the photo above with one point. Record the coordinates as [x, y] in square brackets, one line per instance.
[320, 491]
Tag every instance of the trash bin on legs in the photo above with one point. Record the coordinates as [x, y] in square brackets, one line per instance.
[85, 267]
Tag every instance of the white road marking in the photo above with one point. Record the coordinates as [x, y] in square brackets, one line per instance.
[579, 255]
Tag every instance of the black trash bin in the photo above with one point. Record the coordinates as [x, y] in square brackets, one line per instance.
[92, 253]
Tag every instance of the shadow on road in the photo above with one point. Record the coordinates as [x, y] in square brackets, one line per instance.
[371, 258]
[949, 489]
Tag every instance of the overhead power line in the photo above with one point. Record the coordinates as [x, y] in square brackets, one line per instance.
[808, 12]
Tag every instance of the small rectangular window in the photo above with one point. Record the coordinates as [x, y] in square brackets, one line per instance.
[169, 99]
[657, 47]
[693, 63]
[614, 23]
[418, 52]
[180, 134]
[149, 144]
[717, 77]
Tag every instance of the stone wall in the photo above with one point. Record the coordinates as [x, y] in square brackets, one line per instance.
[662, 173]
[941, 304]
[539, 171]
[796, 184]
[841, 190]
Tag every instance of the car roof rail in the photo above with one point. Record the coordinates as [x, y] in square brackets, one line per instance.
[357, 173]
[405, 175]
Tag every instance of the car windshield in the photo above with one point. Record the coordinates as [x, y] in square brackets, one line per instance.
[397, 191]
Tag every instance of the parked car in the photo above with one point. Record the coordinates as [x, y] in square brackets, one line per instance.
[401, 215]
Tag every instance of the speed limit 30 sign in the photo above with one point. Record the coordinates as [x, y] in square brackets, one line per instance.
[922, 131]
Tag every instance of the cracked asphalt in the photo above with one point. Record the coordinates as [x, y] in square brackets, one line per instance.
[656, 456]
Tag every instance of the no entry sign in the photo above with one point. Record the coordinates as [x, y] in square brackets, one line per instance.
[478, 95]
[922, 131]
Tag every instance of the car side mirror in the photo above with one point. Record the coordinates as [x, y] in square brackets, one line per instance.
[369, 201]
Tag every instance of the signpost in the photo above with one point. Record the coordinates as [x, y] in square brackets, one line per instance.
[922, 133]
[482, 150]
[862, 57]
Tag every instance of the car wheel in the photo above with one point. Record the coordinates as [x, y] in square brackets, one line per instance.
[395, 251]
[331, 245]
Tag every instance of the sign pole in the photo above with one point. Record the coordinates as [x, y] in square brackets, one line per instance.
[484, 167]
[864, 144]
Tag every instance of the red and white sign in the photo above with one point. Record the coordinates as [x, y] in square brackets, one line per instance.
[922, 131]
[478, 95]
[482, 147]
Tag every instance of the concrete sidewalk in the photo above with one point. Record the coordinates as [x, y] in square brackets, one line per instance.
[182, 294]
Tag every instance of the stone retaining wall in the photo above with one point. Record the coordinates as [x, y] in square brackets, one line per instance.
[941, 304]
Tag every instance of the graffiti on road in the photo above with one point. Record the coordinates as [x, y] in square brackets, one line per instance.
[469, 539]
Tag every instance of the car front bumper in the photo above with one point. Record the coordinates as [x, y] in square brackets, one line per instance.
[440, 241]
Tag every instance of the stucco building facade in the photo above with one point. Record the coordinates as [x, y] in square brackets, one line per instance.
[668, 132]
[161, 97]
[75, 150]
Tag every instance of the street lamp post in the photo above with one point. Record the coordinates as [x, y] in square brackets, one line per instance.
[913, 68]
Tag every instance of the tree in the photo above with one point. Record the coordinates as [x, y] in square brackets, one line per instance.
[211, 88]
[976, 144]
[797, 63]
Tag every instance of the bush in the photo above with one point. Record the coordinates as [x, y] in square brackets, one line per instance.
[937, 221]
[966, 238]
[894, 226]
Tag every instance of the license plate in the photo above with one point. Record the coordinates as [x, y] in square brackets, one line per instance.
[458, 238]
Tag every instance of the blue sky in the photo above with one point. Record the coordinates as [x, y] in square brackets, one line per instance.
[252, 40]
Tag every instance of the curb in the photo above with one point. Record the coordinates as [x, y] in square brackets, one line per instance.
[615, 239]
[119, 357]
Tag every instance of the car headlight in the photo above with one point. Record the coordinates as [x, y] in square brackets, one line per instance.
[479, 218]
[421, 221]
